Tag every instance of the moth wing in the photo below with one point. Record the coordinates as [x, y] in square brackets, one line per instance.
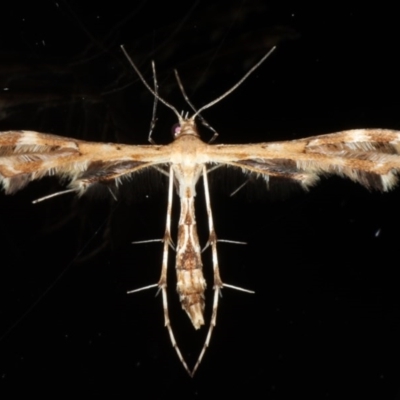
[26, 156]
[369, 157]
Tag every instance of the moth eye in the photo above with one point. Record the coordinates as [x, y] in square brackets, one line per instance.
[176, 130]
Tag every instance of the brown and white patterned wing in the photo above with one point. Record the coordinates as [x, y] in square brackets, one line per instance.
[26, 156]
[367, 156]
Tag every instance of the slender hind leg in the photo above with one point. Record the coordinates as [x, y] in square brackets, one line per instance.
[162, 283]
[218, 285]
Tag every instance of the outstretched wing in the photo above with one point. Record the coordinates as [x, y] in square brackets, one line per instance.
[26, 156]
[367, 156]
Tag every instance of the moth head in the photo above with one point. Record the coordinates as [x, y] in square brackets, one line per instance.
[186, 126]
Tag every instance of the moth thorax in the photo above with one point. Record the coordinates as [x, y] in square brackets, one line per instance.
[188, 127]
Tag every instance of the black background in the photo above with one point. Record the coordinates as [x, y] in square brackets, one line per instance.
[325, 319]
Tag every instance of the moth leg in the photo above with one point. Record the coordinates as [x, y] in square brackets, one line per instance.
[162, 283]
[218, 285]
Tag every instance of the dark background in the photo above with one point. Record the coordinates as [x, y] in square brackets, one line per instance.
[325, 320]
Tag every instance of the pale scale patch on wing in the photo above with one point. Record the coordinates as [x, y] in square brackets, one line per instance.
[31, 141]
[381, 140]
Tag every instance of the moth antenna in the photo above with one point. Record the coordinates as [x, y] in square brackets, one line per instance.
[234, 87]
[184, 94]
[53, 195]
[153, 118]
[148, 86]
[186, 97]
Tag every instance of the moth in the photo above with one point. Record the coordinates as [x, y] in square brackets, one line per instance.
[369, 157]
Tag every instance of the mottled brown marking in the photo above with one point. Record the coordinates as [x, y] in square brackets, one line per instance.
[189, 268]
